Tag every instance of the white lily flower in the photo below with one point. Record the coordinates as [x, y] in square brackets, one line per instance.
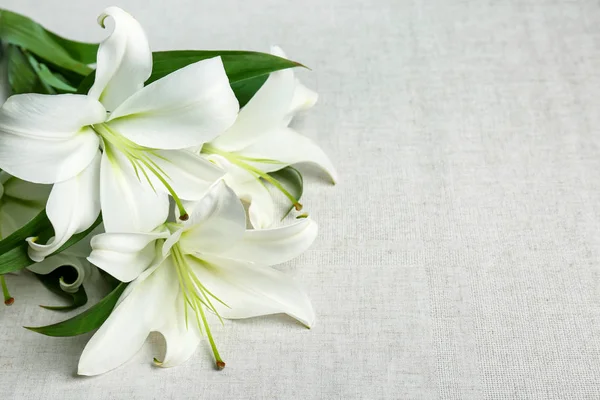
[210, 262]
[125, 161]
[260, 142]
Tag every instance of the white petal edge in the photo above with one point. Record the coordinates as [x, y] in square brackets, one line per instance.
[72, 207]
[44, 138]
[125, 255]
[289, 147]
[266, 111]
[124, 60]
[303, 98]
[142, 310]
[185, 108]
[249, 189]
[265, 247]
[128, 205]
[260, 203]
[189, 175]
[182, 339]
[252, 291]
[216, 222]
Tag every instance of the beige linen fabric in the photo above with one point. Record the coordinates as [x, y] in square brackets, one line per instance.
[458, 258]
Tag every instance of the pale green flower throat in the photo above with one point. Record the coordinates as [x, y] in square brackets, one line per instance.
[140, 158]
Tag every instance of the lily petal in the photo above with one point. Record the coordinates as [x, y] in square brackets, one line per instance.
[189, 174]
[72, 207]
[251, 291]
[185, 108]
[303, 97]
[182, 338]
[59, 260]
[249, 189]
[261, 207]
[128, 205]
[289, 147]
[140, 311]
[124, 60]
[216, 223]
[43, 138]
[303, 100]
[266, 247]
[125, 255]
[266, 111]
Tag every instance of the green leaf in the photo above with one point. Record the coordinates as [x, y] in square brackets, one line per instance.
[21, 75]
[80, 51]
[245, 90]
[292, 180]
[86, 83]
[77, 237]
[21, 31]
[85, 322]
[13, 249]
[247, 70]
[239, 65]
[38, 224]
[52, 282]
[15, 259]
[48, 77]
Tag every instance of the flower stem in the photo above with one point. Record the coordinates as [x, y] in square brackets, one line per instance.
[8, 300]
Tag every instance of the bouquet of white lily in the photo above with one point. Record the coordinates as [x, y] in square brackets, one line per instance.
[153, 173]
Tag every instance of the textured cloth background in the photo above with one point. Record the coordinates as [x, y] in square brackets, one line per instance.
[458, 258]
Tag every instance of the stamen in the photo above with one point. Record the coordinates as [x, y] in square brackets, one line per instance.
[138, 156]
[237, 160]
[197, 297]
[178, 203]
[8, 300]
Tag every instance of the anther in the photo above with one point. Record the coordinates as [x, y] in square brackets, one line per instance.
[184, 217]
[220, 365]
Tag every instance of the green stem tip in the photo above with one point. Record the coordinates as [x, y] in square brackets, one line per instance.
[8, 299]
